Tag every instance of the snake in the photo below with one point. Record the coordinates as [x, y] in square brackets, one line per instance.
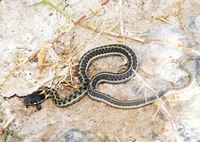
[90, 85]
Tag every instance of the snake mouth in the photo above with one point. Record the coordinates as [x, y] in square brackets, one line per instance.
[34, 98]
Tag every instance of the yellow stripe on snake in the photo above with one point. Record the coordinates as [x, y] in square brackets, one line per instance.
[90, 85]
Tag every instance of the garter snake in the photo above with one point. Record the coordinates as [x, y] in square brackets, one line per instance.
[37, 97]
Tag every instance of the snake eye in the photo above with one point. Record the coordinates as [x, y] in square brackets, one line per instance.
[34, 98]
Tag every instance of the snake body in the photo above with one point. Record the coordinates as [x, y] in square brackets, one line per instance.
[87, 85]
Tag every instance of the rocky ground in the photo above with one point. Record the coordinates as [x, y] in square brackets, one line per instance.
[42, 44]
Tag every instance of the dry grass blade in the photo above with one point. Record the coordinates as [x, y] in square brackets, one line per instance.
[43, 47]
[121, 20]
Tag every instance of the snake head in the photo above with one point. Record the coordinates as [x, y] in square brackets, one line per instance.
[35, 98]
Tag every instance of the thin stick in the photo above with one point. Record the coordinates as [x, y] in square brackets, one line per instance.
[104, 3]
[121, 20]
[56, 39]
[189, 49]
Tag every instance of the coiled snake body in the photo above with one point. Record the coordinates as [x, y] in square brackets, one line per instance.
[37, 97]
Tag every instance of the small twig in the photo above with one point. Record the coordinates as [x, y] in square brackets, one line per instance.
[139, 89]
[121, 20]
[166, 21]
[42, 54]
[56, 39]
[88, 25]
[79, 20]
[104, 3]
[153, 40]
[146, 85]
[189, 49]
[41, 83]
[183, 27]
[179, 46]
[162, 106]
